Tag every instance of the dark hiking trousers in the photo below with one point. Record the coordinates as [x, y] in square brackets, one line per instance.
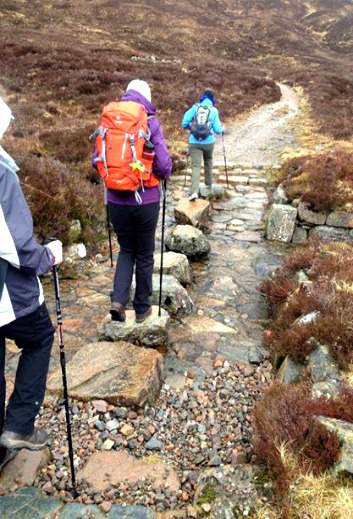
[135, 228]
[199, 152]
[33, 334]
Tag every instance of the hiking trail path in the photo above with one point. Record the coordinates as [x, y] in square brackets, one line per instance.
[216, 366]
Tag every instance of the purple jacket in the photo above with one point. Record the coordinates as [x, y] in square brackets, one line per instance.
[162, 164]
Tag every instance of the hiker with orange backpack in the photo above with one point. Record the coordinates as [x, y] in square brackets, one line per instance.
[132, 157]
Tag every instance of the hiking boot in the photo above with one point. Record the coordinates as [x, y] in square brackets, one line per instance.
[35, 441]
[6, 455]
[142, 317]
[193, 196]
[117, 312]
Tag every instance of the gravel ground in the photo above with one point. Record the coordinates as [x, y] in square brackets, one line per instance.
[201, 425]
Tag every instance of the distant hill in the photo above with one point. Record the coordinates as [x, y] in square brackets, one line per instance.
[62, 60]
[86, 50]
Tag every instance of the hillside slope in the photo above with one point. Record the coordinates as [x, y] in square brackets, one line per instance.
[62, 61]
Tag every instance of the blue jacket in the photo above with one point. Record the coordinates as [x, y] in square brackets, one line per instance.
[22, 259]
[216, 126]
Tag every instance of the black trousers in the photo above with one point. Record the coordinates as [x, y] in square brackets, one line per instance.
[33, 334]
[135, 228]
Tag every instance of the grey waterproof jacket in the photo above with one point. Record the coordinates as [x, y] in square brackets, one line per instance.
[22, 259]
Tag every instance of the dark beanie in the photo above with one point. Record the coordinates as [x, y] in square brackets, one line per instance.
[208, 94]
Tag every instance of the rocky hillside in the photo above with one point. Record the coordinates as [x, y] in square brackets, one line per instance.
[61, 61]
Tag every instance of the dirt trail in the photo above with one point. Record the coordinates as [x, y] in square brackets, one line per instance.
[260, 140]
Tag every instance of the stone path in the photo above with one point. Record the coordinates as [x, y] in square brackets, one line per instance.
[216, 350]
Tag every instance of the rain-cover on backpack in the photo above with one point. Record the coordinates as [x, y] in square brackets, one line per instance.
[124, 155]
[200, 126]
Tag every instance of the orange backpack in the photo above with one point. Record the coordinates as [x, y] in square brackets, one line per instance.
[124, 160]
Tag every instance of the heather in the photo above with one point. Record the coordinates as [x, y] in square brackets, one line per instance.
[62, 61]
[317, 278]
[324, 181]
[298, 451]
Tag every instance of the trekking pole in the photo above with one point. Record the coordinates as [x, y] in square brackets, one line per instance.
[225, 160]
[63, 370]
[162, 247]
[109, 226]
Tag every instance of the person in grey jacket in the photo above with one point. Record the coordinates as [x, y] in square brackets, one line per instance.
[24, 317]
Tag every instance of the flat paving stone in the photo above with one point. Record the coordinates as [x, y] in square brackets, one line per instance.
[29, 503]
[78, 511]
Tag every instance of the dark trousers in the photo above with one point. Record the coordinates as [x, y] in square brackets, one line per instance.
[33, 334]
[135, 228]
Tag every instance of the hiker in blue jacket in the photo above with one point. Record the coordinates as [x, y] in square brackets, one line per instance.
[202, 119]
[24, 317]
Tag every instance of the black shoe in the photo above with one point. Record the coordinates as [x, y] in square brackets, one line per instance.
[142, 317]
[6, 455]
[117, 312]
[36, 441]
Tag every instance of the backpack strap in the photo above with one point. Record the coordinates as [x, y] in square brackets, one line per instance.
[3, 272]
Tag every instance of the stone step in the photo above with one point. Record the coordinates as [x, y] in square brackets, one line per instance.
[194, 213]
[104, 469]
[23, 470]
[189, 241]
[174, 264]
[150, 333]
[118, 372]
[175, 298]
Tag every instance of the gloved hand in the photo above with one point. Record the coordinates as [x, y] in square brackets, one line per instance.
[56, 248]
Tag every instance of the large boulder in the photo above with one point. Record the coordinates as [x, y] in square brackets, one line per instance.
[300, 235]
[175, 264]
[327, 233]
[150, 333]
[281, 223]
[119, 373]
[308, 216]
[344, 431]
[175, 298]
[104, 469]
[322, 366]
[279, 196]
[189, 241]
[290, 371]
[340, 219]
[194, 213]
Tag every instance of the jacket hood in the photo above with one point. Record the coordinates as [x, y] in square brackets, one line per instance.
[132, 95]
[206, 102]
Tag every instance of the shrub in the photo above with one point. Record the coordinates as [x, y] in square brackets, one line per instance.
[324, 181]
[57, 196]
[329, 291]
[285, 417]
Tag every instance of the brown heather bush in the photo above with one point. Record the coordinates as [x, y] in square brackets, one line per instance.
[329, 291]
[284, 417]
[57, 196]
[324, 181]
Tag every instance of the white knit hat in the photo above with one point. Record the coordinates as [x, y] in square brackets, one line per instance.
[142, 87]
[5, 117]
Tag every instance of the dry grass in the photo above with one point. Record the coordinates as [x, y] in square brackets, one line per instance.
[312, 496]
